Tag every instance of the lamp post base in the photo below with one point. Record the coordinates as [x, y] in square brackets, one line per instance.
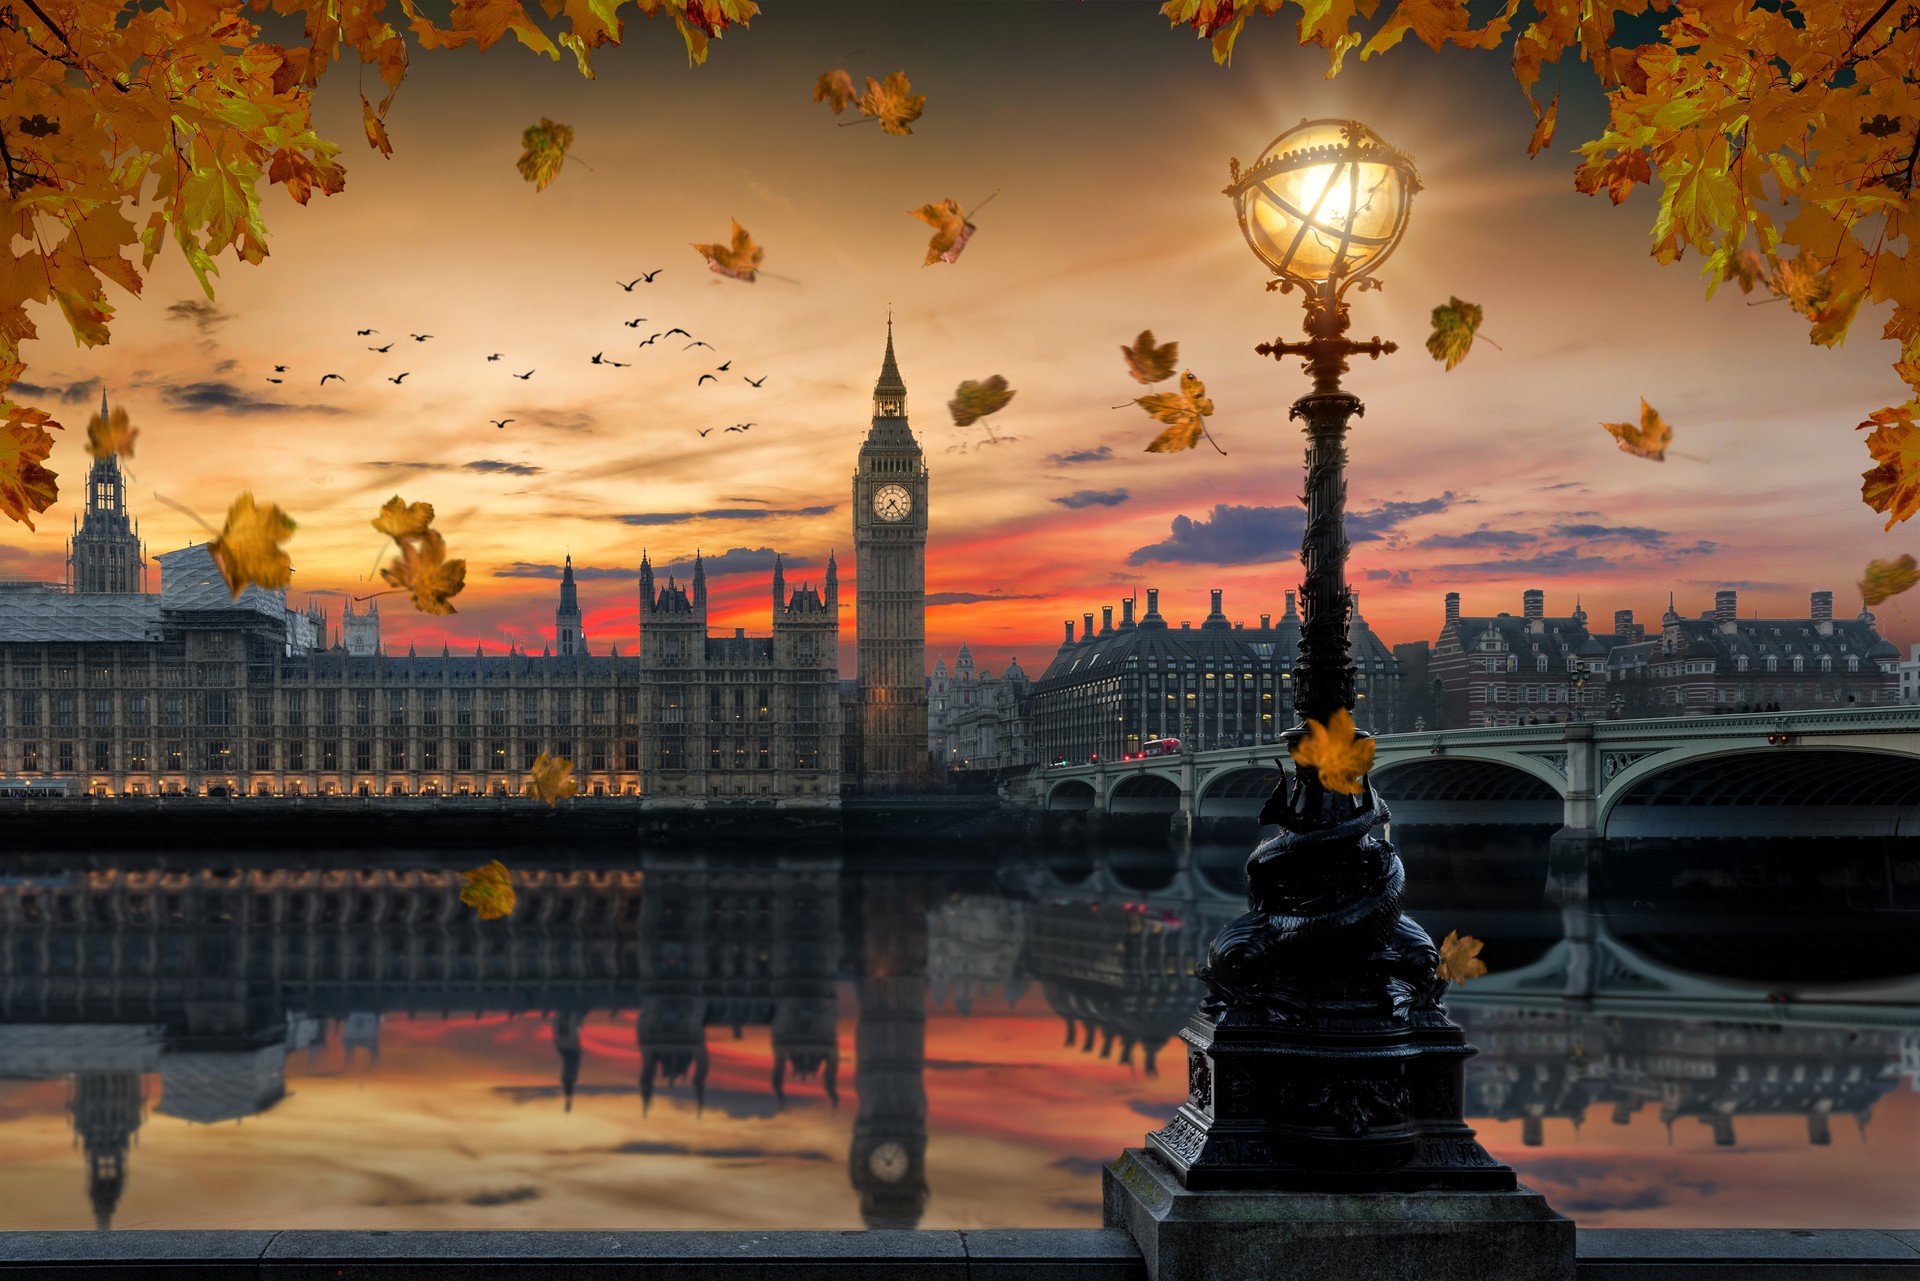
[1188, 1235]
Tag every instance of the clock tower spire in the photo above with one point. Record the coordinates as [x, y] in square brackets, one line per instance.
[890, 623]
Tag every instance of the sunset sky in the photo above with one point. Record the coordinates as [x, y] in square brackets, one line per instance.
[1106, 136]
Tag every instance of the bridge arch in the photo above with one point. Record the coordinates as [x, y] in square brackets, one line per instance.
[1470, 790]
[1855, 790]
[1235, 791]
[1071, 794]
[1143, 793]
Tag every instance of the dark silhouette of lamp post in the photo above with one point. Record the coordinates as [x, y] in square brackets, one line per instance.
[1321, 1058]
[1578, 675]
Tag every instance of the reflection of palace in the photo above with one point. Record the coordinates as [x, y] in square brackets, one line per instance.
[203, 982]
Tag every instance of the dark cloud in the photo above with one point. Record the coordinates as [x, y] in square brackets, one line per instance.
[551, 419]
[1093, 498]
[1160, 1111]
[1567, 560]
[1704, 547]
[1397, 577]
[509, 469]
[735, 498]
[204, 315]
[225, 398]
[1235, 535]
[719, 513]
[1482, 537]
[645, 1147]
[1607, 533]
[67, 393]
[226, 366]
[1072, 456]
[391, 466]
[1565, 484]
[972, 1065]
[508, 1197]
[1593, 1185]
[974, 598]
[1086, 1166]
[584, 573]
[1739, 584]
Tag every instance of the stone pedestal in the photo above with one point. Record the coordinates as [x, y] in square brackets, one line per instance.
[1244, 1234]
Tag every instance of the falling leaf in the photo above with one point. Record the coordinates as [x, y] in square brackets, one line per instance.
[248, 549]
[891, 103]
[1454, 325]
[951, 230]
[1542, 131]
[1182, 410]
[109, 436]
[1333, 751]
[422, 568]
[1648, 440]
[1460, 958]
[400, 520]
[1148, 363]
[377, 132]
[975, 400]
[26, 486]
[740, 260]
[1888, 578]
[489, 889]
[553, 779]
[1747, 269]
[1807, 291]
[1892, 487]
[546, 150]
[835, 88]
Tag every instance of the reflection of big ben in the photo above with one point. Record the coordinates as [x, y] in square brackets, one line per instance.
[888, 1160]
[890, 624]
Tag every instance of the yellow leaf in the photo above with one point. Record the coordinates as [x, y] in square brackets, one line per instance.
[488, 889]
[1454, 325]
[951, 230]
[1148, 363]
[400, 520]
[106, 437]
[835, 88]
[739, 260]
[1893, 486]
[26, 486]
[1183, 411]
[1887, 578]
[248, 549]
[1333, 751]
[1433, 21]
[546, 150]
[1460, 958]
[423, 570]
[376, 131]
[552, 779]
[1649, 438]
[1543, 128]
[891, 103]
[975, 400]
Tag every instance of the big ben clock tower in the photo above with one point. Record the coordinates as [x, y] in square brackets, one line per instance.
[890, 621]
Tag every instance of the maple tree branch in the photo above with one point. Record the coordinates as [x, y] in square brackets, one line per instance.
[1850, 59]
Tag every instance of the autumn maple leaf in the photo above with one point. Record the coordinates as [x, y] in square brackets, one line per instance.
[1460, 958]
[1893, 486]
[951, 230]
[1543, 129]
[423, 570]
[376, 128]
[26, 486]
[891, 102]
[975, 400]
[488, 889]
[546, 151]
[1183, 411]
[1335, 753]
[401, 520]
[1648, 439]
[112, 435]
[835, 88]
[740, 259]
[1888, 578]
[1147, 363]
[552, 779]
[1455, 325]
[248, 549]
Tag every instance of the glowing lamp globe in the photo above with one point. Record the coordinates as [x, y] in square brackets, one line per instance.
[1325, 203]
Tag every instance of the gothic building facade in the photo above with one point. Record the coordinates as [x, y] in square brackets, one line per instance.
[105, 553]
[977, 721]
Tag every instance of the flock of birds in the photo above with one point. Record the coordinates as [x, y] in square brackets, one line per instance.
[598, 357]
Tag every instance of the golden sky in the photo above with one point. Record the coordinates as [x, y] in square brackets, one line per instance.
[460, 1126]
[1105, 135]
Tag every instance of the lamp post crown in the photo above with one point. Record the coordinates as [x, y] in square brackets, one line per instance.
[1324, 205]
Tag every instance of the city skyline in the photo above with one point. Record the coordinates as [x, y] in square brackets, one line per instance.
[1488, 480]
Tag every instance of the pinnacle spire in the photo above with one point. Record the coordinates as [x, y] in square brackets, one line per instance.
[890, 380]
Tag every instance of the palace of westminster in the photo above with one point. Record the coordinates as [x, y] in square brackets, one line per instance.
[118, 690]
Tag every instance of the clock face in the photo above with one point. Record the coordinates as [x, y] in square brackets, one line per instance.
[892, 502]
[888, 1162]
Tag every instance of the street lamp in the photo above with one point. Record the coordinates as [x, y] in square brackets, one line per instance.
[1579, 674]
[1321, 1057]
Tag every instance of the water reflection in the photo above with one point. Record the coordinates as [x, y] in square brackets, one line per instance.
[698, 1011]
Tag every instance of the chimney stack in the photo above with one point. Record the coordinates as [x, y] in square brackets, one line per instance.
[1822, 607]
[1290, 610]
[1069, 639]
[1533, 603]
[1266, 622]
[1086, 629]
[1126, 613]
[1726, 606]
[1216, 600]
[1453, 606]
[1106, 620]
[1153, 602]
[1623, 622]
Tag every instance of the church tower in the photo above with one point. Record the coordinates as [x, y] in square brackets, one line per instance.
[360, 630]
[569, 636]
[887, 1161]
[890, 621]
[105, 553]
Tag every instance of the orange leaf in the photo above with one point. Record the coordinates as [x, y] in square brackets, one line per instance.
[951, 230]
[740, 260]
[1893, 486]
[376, 131]
[1183, 410]
[890, 102]
[835, 88]
[109, 436]
[1148, 363]
[248, 549]
[1335, 753]
[552, 779]
[1649, 439]
[400, 520]
[423, 569]
[26, 486]
[1887, 578]
[489, 889]
[1543, 129]
[1460, 958]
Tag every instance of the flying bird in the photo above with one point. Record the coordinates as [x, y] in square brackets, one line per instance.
[705, 430]
[740, 427]
[634, 323]
[690, 346]
[276, 380]
[597, 358]
[396, 381]
[617, 364]
[419, 337]
[525, 376]
[494, 356]
[676, 330]
[324, 377]
[501, 423]
[388, 347]
[629, 284]
[364, 332]
[703, 378]
[279, 369]
[649, 342]
[648, 276]
[755, 381]
[724, 368]
[736, 429]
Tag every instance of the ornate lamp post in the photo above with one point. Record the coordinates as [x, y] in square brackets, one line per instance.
[1579, 674]
[1321, 1058]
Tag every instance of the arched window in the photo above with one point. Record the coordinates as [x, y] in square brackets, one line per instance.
[1799, 663]
[1773, 663]
[1740, 663]
[1540, 663]
[1826, 662]
[1853, 662]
